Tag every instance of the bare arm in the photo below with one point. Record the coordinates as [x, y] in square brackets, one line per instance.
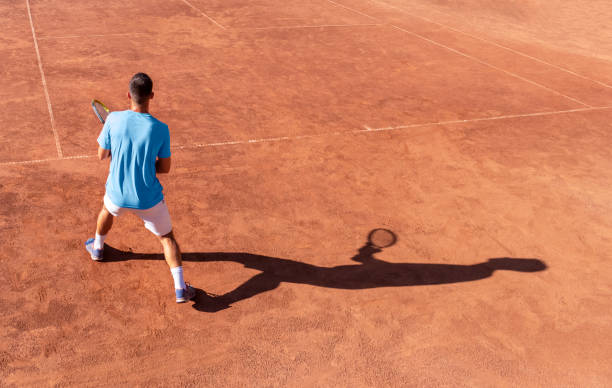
[162, 165]
[103, 153]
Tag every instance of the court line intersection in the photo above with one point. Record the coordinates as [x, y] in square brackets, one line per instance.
[366, 128]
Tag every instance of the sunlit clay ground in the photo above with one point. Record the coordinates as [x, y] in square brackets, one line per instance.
[477, 132]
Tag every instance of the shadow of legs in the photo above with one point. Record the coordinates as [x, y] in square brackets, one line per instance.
[258, 284]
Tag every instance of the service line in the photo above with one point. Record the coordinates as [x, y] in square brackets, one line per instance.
[536, 114]
[37, 161]
[44, 83]
[365, 129]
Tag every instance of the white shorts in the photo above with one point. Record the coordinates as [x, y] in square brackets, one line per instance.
[156, 219]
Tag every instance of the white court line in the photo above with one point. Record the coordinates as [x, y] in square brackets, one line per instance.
[492, 43]
[327, 134]
[36, 161]
[352, 10]
[252, 141]
[369, 129]
[203, 14]
[473, 58]
[310, 26]
[44, 82]
[94, 35]
[489, 65]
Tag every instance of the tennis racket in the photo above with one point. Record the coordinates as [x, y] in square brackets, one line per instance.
[381, 238]
[100, 110]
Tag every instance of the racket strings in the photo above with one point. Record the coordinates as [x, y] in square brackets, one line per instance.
[382, 238]
[100, 110]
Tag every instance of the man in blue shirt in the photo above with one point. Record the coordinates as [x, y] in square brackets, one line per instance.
[140, 149]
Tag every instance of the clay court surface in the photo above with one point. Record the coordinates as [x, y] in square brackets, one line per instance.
[474, 130]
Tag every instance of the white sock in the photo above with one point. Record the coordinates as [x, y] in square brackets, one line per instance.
[99, 241]
[177, 275]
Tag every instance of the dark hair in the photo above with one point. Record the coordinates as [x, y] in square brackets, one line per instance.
[141, 87]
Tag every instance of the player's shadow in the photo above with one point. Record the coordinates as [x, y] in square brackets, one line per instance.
[369, 273]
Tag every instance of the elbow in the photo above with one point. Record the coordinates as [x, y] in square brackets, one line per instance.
[103, 153]
[162, 166]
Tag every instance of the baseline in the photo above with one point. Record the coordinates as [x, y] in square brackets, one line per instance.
[44, 83]
[365, 129]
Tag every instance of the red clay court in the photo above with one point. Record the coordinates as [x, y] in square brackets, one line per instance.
[478, 131]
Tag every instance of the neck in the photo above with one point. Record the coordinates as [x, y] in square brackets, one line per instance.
[140, 108]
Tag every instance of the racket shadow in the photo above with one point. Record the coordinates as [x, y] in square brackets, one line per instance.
[368, 272]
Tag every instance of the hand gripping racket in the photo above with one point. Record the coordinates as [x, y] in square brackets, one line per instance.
[100, 110]
[377, 240]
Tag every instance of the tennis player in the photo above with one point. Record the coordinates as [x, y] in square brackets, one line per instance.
[140, 149]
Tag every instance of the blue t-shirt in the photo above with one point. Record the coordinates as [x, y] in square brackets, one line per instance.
[135, 141]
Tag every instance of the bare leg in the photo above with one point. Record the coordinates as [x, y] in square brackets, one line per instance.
[172, 252]
[105, 222]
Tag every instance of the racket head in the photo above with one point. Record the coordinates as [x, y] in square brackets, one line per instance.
[100, 110]
[381, 238]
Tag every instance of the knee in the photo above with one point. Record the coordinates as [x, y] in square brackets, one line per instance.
[105, 213]
[168, 239]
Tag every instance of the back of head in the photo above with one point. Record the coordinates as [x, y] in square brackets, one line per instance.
[141, 87]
